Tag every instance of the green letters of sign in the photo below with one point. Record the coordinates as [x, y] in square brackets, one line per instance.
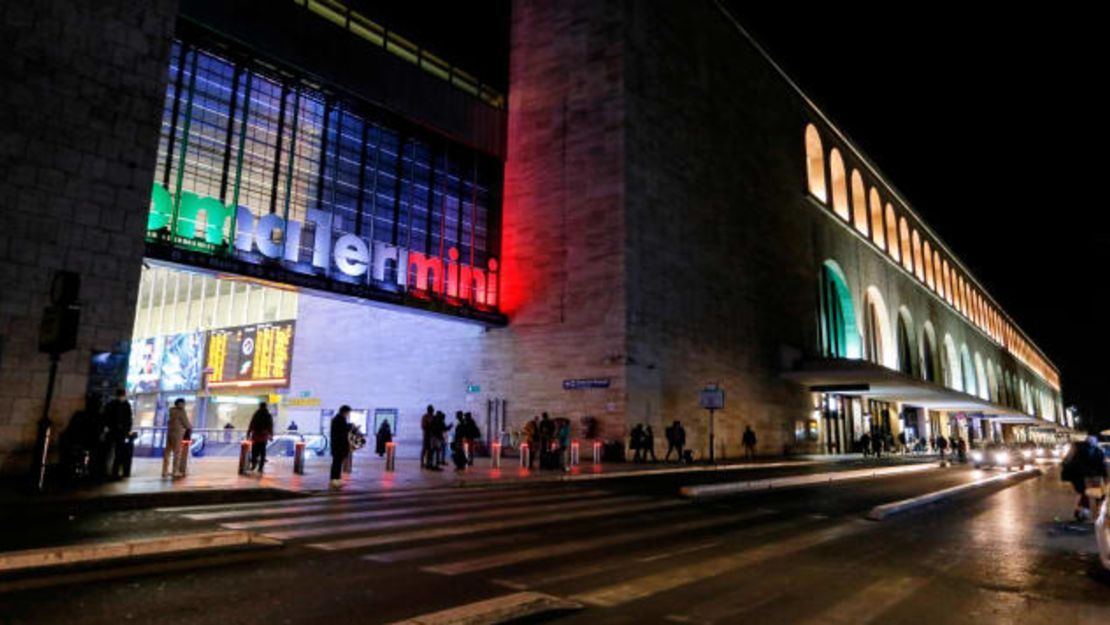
[161, 213]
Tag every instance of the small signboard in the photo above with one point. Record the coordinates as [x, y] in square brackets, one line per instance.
[712, 397]
[473, 388]
[584, 383]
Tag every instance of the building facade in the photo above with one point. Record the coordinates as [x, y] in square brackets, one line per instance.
[650, 209]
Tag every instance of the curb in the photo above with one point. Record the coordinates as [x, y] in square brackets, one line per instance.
[65, 555]
[503, 609]
[878, 513]
[794, 481]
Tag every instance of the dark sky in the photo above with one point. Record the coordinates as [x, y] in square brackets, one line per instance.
[987, 124]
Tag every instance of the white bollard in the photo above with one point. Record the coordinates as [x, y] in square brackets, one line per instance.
[495, 456]
[574, 453]
[390, 456]
[525, 454]
[597, 453]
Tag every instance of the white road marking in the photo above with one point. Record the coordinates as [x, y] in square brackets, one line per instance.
[506, 558]
[344, 514]
[648, 585]
[497, 610]
[491, 526]
[416, 553]
[364, 526]
[679, 552]
[869, 603]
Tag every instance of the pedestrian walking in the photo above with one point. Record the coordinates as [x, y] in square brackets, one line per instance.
[1084, 467]
[260, 432]
[562, 438]
[382, 437]
[902, 442]
[118, 418]
[877, 445]
[546, 437]
[636, 442]
[340, 444]
[675, 442]
[177, 429]
[439, 439]
[865, 444]
[942, 449]
[649, 444]
[748, 441]
[473, 435]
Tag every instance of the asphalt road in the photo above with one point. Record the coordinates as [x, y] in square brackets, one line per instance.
[630, 551]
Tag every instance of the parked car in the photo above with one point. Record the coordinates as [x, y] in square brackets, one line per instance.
[997, 455]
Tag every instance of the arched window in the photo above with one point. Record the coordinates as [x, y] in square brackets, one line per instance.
[927, 254]
[839, 184]
[928, 353]
[948, 282]
[992, 382]
[919, 268]
[904, 236]
[878, 232]
[815, 164]
[954, 377]
[892, 233]
[938, 273]
[968, 368]
[981, 377]
[859, 204]
[839, 332]
[905, 344]
[877, 346]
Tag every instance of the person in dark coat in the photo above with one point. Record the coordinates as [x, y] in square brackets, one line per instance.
[426, 455]
[547, 436]
[636, 442]
[865, 444]
[340, 444]
[877, 445]
[748, 440]
[649, 444]
[1084, 467]
[118, 418]
[473, 434]
[260, 432]
[383, 436]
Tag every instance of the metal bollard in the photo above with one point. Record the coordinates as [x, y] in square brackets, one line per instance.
[597, 452]
[184, 460]
[495, 455]
[525, 455]
[244, 456]
[298, 457]
[574, 453]
[390, 456]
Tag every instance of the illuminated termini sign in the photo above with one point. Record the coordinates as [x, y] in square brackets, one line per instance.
[313, 247]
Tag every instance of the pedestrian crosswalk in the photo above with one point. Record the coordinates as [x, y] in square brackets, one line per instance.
[594, 546]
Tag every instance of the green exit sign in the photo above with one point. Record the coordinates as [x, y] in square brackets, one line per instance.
[473, 388]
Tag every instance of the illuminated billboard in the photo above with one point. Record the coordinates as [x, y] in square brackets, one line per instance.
[182, 358]
[253, 355]
[144, 366]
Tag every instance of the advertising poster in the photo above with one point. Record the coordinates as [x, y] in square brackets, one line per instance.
[253, 355]
[144, 366]
[182, 359]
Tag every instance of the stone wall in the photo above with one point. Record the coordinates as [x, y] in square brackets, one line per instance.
[562, 231]
[79, 114]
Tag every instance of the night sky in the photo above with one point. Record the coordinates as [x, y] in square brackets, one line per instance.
[985, 122]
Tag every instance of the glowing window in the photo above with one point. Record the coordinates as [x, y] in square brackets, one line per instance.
[878, 233]
[917, 256]
[904, 236]
[859, 204]
[948, 283]
[839, 188]
[927, 254]
[892, 233]
[938, 273]
[815, 164]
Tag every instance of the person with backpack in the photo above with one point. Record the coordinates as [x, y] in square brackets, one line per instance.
[1084, 467]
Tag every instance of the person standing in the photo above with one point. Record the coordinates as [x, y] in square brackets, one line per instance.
[531, 438]
[473, 434]
[877, 444]
[383, 437]
[748, 440]
[340, 444]
[636, 442]
[547, 436]
[942, 448]
[426, 437]
[117, 415]
[260, 432]
[177, 425]
[649, 444]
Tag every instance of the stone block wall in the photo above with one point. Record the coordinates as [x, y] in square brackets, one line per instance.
[80, 110]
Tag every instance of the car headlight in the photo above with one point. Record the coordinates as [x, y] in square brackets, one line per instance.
[1002, 457]
[1025, 453]
[977, 456]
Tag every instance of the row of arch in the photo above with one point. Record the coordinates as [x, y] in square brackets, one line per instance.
[915, 349]
[861, 204]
